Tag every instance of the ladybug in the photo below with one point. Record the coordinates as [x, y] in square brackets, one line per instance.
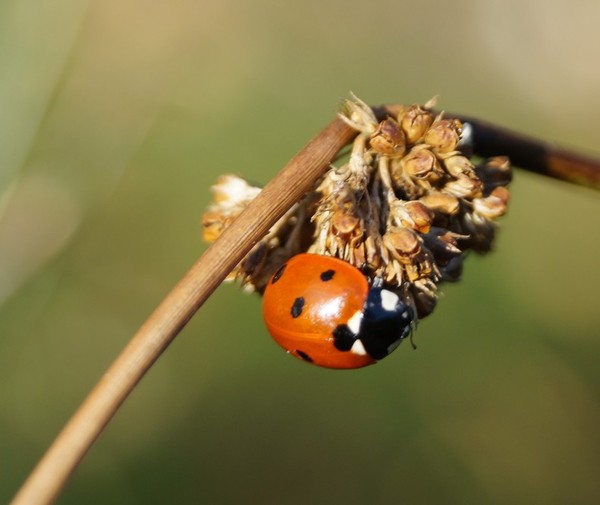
[322, 310]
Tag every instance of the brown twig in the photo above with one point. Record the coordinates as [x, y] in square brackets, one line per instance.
[534, 155]
[297, 177]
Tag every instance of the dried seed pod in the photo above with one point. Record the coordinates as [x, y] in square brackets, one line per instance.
[388, 139]
[443, 246]
[452, 271]
[444, 135]
[213, 224]
[232, 191]
[459, 166]
[420, 215]
[425, 296]
[421, 163]
[404, 244]
[358, 115]
[464, 187]
[494, 205]
[480, 230]
[415, 121]
[494, 172]
[414, 215]
[231, 194]
[442, 203]
[343, 224]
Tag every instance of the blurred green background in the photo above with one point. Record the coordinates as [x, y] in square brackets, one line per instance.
[116, 116]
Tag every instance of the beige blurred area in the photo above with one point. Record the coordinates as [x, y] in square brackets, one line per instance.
[116, 117]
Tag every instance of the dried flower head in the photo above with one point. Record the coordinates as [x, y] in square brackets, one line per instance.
[404, 208]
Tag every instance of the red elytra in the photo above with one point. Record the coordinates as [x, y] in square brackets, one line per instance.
[304, 303]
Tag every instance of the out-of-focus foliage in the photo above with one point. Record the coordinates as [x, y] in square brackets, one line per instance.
[115, 118]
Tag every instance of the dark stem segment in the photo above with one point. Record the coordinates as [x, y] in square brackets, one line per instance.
[532, 154]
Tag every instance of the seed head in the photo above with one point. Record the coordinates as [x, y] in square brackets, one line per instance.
[405, 207]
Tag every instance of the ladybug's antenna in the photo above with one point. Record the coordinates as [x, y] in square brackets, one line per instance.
[412, 341]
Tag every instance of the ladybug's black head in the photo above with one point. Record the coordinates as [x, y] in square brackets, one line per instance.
[386, 321]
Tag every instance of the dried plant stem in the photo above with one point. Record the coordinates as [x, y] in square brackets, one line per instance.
[297, 177]
[534, 155]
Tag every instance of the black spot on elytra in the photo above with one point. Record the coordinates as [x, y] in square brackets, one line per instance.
[327, 275]
[304, 356]
[343, 338]
[277, 275]
[297, 307]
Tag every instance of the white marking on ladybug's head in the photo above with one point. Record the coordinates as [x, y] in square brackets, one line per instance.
[354, 322]
[466, 135]
[358, 348]
[389, 300]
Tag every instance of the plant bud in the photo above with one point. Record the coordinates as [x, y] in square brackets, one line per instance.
[463, 187]
[444, 135]
[419, 216]
[388, 139]
[494, 205]
[358, 115]
[441, 202]
[495, 171]
[415, 121]
[343, 223]
[453, 270]
[459, 166]
[425, 301]
[404, 243]
[213, 224]
[233, 190]
[421, 163]
[443, 248]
